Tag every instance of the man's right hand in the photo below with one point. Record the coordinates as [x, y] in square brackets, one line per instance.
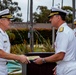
[23, 59]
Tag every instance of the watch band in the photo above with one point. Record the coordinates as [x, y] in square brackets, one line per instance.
[43, 60]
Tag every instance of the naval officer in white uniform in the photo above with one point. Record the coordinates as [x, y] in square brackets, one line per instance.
[5, 54]
[64, 45]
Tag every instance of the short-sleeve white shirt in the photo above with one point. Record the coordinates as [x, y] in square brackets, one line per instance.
[65, 43]
[4, 43]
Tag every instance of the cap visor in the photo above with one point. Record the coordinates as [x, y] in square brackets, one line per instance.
[8, 16]
[50, 16]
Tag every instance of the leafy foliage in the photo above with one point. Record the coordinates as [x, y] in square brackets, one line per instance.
[47, 46]
[69, 9]
[42, 15]
[18, 36]
[20, 48]
[41, 43]
[14, 8]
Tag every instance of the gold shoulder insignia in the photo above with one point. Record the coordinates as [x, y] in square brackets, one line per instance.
[61, 29]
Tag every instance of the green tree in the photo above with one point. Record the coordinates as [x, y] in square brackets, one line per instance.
[42, 17]
[11, 35]
[14, 8]
[70, 15]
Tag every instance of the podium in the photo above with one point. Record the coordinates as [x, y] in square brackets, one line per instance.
[35, 69]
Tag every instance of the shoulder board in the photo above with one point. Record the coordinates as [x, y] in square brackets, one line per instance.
[61, 29]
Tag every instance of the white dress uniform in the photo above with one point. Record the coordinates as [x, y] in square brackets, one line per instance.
[5, 46]
[65, 43]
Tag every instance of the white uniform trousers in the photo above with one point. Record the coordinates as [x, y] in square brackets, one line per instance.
[3, 69]
[66, 68]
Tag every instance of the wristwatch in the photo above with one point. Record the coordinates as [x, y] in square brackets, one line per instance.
[43, 60]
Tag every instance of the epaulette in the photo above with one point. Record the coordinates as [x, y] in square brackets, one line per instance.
[61, 29]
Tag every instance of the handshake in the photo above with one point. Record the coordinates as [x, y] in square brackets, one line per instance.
[35, 59]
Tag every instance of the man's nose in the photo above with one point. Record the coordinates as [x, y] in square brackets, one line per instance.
[50, 19]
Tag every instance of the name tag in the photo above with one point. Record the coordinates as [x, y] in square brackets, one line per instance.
[5, 41]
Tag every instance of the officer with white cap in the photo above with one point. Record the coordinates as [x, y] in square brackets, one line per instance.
[64, 45]
[5, 54]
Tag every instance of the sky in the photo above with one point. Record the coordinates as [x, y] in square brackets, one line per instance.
[36, 3]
